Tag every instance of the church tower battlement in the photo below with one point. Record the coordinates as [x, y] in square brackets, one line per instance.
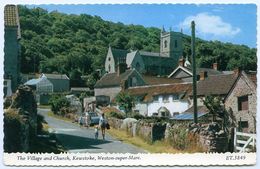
[171, 44]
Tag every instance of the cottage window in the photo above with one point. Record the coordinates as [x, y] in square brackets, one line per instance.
[242, 103]
[243, 126]
[166, 98]
[175, 97]
[156, 98]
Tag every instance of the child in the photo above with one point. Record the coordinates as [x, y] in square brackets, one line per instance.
[96, 132]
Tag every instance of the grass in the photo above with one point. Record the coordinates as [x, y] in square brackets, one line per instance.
[44, 106]
[51, 114]
[156, 147]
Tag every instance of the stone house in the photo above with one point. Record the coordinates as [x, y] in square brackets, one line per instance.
[111, 84]
[12, 53]
[161, 63]
[164, 100]
[61, 82]
[241, 100]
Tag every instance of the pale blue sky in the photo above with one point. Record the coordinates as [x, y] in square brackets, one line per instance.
[226, 23]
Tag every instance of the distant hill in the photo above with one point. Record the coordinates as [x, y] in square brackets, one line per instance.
[77, 44]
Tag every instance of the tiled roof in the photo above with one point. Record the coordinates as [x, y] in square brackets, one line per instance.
[11, 18]
[252, 76]
[216, 84]
[112, 79]
[55, 76]
[147, 92]
[153, 80]
[154, 54]
[200, 109]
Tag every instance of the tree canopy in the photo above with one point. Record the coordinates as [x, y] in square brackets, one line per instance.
[58, 42]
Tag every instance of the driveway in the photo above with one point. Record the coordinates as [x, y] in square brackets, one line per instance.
[76, 139]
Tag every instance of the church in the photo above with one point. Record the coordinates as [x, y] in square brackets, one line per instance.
[149, 63]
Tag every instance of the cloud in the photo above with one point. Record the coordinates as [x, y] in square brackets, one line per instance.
[207, 24]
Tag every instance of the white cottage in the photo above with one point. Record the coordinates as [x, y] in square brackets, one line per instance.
[165, 100]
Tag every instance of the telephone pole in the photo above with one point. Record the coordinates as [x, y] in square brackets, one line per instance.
[194, 84]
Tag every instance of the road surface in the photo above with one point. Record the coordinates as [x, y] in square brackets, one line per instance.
[76, 139]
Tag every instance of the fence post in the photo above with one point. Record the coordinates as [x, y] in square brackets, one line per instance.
[235, 139]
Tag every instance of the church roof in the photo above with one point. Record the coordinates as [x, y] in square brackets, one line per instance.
[119, 54]
[151, 54]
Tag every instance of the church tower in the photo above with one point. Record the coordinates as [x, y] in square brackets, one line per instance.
[171, 44]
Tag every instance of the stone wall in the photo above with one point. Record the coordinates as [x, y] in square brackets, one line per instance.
[211, 137]
[150, 132]
[20, 120]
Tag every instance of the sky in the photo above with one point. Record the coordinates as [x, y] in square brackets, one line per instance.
[227, 23]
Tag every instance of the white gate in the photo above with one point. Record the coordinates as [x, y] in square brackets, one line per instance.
[244, 142]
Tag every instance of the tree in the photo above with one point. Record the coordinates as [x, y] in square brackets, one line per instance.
[214, 105]
[58, 102]
[126, 101]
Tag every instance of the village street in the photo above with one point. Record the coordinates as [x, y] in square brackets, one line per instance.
[76, 139]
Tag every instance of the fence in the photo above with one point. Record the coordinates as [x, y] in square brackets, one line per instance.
[244, 142]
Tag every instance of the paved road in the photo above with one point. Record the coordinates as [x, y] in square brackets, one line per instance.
[76, 139]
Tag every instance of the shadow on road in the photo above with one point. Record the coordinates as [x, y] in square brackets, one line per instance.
[71, 142]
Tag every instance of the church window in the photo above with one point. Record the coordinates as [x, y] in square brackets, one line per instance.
[137, 66]
[109, 59]
[109, 68]
[175, 44]
[165, 44]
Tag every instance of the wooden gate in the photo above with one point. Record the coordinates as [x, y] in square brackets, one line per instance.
[244, 142]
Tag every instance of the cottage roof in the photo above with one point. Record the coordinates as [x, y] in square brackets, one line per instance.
[11, 18]
[147, 92]
[216, 84]
[153, 80]
[188, 70]
[55, 76]
[112, 79]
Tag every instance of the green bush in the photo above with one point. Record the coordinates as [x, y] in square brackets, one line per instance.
[136, 116]
[58, 102]
[13, 131]
[116, 115]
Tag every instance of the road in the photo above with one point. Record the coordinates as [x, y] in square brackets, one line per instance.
[76, 139]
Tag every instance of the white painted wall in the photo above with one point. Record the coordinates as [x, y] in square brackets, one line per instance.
[147, 109]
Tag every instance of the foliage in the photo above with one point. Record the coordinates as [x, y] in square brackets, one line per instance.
[215, 106]
[57, 42]
[125, 101]
[59, 103]
[115, 115]
[136, 116]
[13, 131]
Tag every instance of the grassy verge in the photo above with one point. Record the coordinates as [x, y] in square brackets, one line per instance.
[156, 147]
[44, 106]
[51, 114]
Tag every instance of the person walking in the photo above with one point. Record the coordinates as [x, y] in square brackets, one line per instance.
[102, 125]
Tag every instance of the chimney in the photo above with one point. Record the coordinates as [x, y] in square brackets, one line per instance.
[121, 68]
[203, 75]
[237, 71]
[181, 62]
[215, 66]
